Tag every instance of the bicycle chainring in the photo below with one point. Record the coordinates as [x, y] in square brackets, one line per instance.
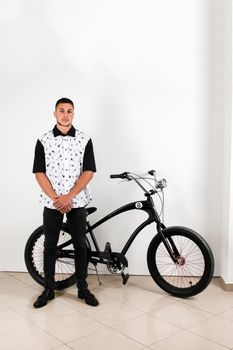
[115, 265]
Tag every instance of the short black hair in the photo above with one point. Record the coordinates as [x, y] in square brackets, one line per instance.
[64, 100]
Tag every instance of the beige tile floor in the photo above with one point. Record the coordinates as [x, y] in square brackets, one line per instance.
[136, 316]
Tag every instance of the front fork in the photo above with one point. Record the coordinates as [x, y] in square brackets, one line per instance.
[171, 248]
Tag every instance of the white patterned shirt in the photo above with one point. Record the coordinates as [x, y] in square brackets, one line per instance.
[63, 158]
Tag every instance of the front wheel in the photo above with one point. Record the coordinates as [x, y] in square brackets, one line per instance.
[194, 266]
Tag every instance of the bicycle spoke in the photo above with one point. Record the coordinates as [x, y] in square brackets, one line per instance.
[64, 267]
[189, 269]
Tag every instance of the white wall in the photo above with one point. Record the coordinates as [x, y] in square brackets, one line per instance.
[227, 217]
[146, 79]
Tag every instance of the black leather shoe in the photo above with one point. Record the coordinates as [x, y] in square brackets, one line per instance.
[42, 299]
[89, 298]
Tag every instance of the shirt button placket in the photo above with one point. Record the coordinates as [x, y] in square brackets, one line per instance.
[66, 164]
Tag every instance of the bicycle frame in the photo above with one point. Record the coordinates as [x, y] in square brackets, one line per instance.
[98, 256]
[145, 205]
[153, 216]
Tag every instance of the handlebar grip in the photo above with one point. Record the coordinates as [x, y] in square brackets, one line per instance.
[114, 176]
[119, 176]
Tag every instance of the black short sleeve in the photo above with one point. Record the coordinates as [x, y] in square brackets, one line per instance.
[39, 159]
[89, 158]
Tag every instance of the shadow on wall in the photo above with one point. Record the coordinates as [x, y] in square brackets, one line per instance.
[214, 150]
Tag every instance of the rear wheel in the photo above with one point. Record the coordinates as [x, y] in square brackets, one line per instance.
[64, 269]
[193, 269]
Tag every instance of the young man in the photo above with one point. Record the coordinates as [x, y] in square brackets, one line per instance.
[64, 164]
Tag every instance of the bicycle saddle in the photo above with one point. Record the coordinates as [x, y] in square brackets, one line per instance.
[90, 210]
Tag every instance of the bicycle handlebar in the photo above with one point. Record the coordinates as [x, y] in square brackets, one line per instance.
[159, 184]
[120, 176]
[126, 175]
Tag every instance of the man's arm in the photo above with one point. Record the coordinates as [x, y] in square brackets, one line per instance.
[65, 200]
[45, 185]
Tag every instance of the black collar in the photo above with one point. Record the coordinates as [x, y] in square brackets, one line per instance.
[57, 132]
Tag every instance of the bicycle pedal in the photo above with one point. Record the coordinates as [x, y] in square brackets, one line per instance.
[124, 278]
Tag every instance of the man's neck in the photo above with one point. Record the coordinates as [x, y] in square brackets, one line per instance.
[64, 129]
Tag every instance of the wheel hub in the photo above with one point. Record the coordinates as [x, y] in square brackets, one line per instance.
[181, 261]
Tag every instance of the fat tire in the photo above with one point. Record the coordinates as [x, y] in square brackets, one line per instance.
[207, 256]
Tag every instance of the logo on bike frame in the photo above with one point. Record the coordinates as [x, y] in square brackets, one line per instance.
[138, 205]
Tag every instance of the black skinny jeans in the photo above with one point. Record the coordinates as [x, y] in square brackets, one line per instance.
[52, 221]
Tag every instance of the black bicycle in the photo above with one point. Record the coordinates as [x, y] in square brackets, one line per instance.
[180, 261]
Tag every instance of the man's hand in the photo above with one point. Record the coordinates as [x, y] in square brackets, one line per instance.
[63, 203]
[65, 209]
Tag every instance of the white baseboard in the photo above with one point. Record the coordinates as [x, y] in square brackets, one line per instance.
[226, 286]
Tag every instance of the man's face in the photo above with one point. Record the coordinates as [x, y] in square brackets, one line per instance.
[64, 114]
